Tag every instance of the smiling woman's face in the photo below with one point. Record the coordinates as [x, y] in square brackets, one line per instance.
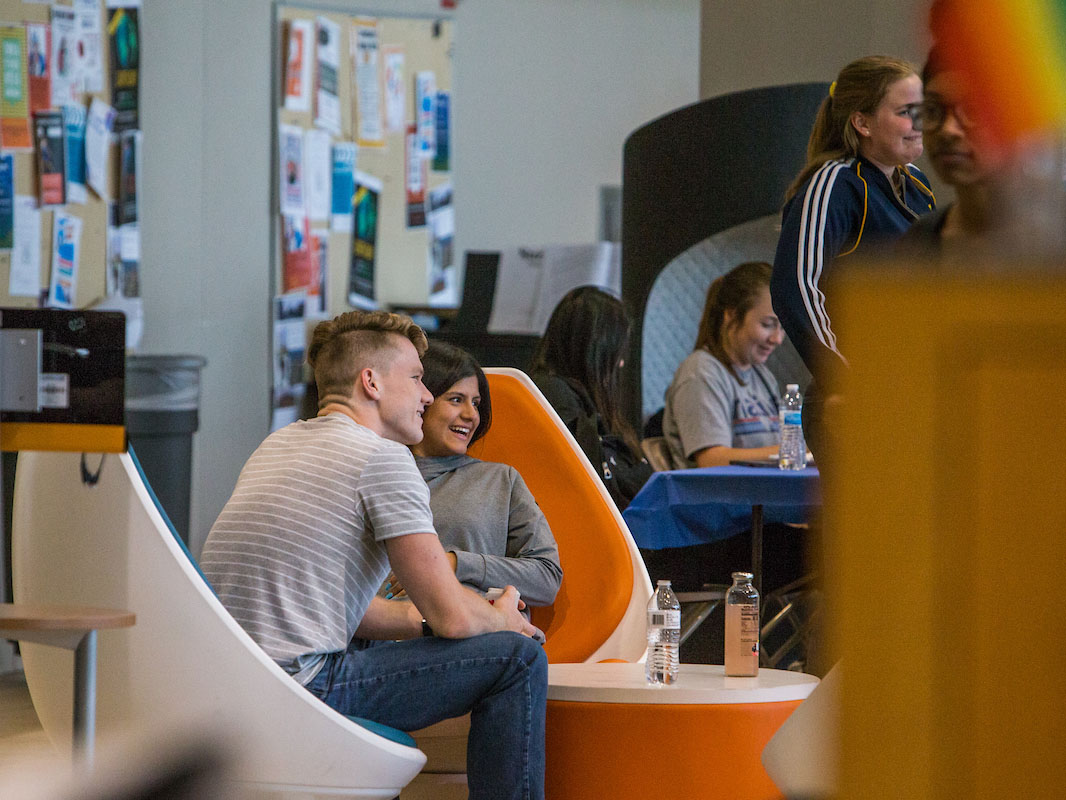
[450, 421]
[888, 136]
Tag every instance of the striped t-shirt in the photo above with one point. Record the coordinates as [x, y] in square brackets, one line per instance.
[297, 552]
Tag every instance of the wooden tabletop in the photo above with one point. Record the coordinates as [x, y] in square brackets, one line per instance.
[28, 617]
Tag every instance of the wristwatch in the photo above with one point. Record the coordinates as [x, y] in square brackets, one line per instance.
[426, 630]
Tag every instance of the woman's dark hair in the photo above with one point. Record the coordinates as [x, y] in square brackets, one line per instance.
[445, 365]
[860, 86]
[586, 338]
[735, 291]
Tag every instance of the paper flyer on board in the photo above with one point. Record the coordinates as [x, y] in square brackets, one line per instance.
[129, 177]
[426, 114]
[290, 153]
[296, 264]
[343, 186]
[366, 56]
[327, 69]
[417, 178]
[298, 55]
[98, 146]
[441, 160]
[317, 292]
[25, 277]
[39, 66]
[318, 166]
[90, 60]
[290, 348]
[51, 170]
[124, 60]
[364, 241]
[64, 64]
[7, 201]
[392, 62]
[66, 244]
[443, 284]
[74, 141]
[14, 96]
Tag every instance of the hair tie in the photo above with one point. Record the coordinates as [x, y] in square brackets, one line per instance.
[832, 89]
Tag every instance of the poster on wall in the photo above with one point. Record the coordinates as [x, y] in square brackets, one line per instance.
[129, 172]
[366, 58]
[51, 172]
[14, 93]
[298, 65]
[38, 66]
[318, 167]
[317, 290]
[25, 277]
[125, 56]
[7, 201]
[296, 240]
[364, 241]
[342, 187]
[327, 67]
[64, 66]
[291, 174]
[426, 114]
[443, 285]
[74, 144]
[87, 29]
[98, 146]
[66, 242]
[417, 178]
[441, 161]
[290, 347]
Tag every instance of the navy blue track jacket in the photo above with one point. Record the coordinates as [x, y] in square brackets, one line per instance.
[847, 207]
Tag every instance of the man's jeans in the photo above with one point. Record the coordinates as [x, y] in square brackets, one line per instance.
[502, 678]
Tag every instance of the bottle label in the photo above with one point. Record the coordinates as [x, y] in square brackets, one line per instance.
[792, 417]
[665, 618]
[742, 640]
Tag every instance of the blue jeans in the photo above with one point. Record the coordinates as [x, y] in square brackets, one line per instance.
[501, 678]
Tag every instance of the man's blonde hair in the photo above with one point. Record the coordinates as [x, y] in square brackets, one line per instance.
[345, 345]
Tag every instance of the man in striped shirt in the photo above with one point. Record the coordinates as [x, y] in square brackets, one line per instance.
[321, 511]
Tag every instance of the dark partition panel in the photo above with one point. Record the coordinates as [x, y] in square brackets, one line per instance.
[697, 171]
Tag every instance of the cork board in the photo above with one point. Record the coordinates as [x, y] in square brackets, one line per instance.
[91, 280]
[401, 263]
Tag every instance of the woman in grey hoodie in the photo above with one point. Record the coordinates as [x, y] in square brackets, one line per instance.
[486, 518]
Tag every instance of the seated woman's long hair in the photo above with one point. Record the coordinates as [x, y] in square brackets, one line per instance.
[585, 341]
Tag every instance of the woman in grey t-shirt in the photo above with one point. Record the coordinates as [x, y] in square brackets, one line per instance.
[722, 403]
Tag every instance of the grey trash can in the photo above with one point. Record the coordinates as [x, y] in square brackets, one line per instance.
[162, 414]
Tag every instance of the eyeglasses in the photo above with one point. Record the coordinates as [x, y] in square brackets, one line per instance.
[930, 115]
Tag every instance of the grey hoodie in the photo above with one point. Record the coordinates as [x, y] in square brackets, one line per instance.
[484, 513]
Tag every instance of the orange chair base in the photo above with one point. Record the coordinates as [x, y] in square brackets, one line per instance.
[630, 750]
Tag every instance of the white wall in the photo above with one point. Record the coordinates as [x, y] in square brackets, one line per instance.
[546, 92]
[755, 43]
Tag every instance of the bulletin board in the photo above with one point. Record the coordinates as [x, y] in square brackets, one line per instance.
[91, 282]
[412, 238]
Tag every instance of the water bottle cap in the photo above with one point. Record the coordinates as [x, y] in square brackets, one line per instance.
[662, 583]
[792, 387]
[742, 576]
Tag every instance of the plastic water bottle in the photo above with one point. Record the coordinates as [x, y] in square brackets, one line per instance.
[792, 454]
[742, 628]
[664, 635]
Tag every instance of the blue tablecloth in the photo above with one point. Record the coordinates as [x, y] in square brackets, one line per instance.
[695, 506]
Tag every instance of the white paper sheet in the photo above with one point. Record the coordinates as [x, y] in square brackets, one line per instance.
[90, 61]
[291, 178]
[66, 83]
[98, 146]
[530, 282]
[318, 169]
[327, 70]
[366, 53]
[395, 89]
[25, 278]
